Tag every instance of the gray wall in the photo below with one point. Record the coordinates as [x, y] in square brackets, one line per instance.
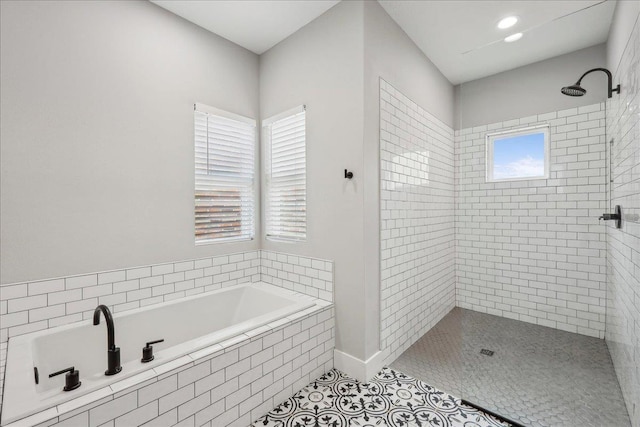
[529, 90]
[97, 133]
[333, 65]
[389, 53]
[321, 66]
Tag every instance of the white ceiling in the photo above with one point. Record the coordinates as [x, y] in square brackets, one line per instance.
[459, 36]
[452, 33]
[255, 25]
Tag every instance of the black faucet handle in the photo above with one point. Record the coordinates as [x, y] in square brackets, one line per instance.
[147, 351]
[154, 342]
[71, 380]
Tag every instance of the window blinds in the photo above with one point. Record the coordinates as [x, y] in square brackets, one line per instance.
[224, 176]
[286, 183]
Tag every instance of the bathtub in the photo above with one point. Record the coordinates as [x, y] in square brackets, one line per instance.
[187, 326]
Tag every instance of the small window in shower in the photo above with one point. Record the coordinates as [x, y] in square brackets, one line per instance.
[519, 154]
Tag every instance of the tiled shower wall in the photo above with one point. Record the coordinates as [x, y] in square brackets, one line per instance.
[623, 295]
[417, 224]
[534, 250]
[33, 306]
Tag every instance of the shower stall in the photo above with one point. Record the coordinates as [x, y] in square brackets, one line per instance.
[507, 303]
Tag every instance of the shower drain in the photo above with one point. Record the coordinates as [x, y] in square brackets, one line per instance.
[486, 352]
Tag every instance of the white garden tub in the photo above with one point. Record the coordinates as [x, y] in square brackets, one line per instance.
[186, 325]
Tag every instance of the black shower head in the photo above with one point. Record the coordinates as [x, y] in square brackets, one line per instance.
[573, 90]
[577, 90]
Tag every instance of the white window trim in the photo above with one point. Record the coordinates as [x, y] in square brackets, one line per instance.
[266, 138]
[203, 108]
[490, 138]
[222, 113]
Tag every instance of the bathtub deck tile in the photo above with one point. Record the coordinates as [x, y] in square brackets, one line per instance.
[34, 419]
[135, 387]
[258, 331]
[201, 355]
[173, 367]
[132, 381]
[278, 323]
[301, 314]
[231, 343]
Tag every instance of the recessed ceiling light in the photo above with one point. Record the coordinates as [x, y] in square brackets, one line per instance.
[513, 37]
[507, 22]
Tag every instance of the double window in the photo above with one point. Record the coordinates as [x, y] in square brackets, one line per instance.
[284, 142]
[224, 176]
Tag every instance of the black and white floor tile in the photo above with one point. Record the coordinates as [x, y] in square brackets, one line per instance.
[391, 399]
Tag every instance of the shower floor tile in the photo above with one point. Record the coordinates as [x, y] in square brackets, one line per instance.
[391, 399]
[537, 376]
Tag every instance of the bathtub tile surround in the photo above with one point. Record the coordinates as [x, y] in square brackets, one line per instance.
[417, 223]
[232, 383]
[391, 398]
[623, 293]
[309, 276]
[33, 306]
[534, 250]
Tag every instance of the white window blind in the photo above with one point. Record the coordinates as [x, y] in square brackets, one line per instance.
[224, 176]
[286, 175]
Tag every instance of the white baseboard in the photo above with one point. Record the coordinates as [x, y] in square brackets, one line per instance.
[359, 369]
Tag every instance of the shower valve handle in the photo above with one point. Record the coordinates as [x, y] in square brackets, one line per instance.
[617, 216]
[608, 217]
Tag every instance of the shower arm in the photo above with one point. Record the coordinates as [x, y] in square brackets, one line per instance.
[609, 78]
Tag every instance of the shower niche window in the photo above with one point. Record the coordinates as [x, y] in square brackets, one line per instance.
[518, 154]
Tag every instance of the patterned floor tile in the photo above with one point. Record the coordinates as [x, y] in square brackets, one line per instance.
[391, 399]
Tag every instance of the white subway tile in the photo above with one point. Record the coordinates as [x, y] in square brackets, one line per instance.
[112, 409]
[77, 282]
[47, 286]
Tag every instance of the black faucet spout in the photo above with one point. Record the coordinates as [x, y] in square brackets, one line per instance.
[113, 352]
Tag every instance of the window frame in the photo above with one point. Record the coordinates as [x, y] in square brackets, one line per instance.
[266, 173]
[213, 111]
[490, 139]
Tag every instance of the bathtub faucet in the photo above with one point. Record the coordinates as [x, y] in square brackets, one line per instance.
[113, 352]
